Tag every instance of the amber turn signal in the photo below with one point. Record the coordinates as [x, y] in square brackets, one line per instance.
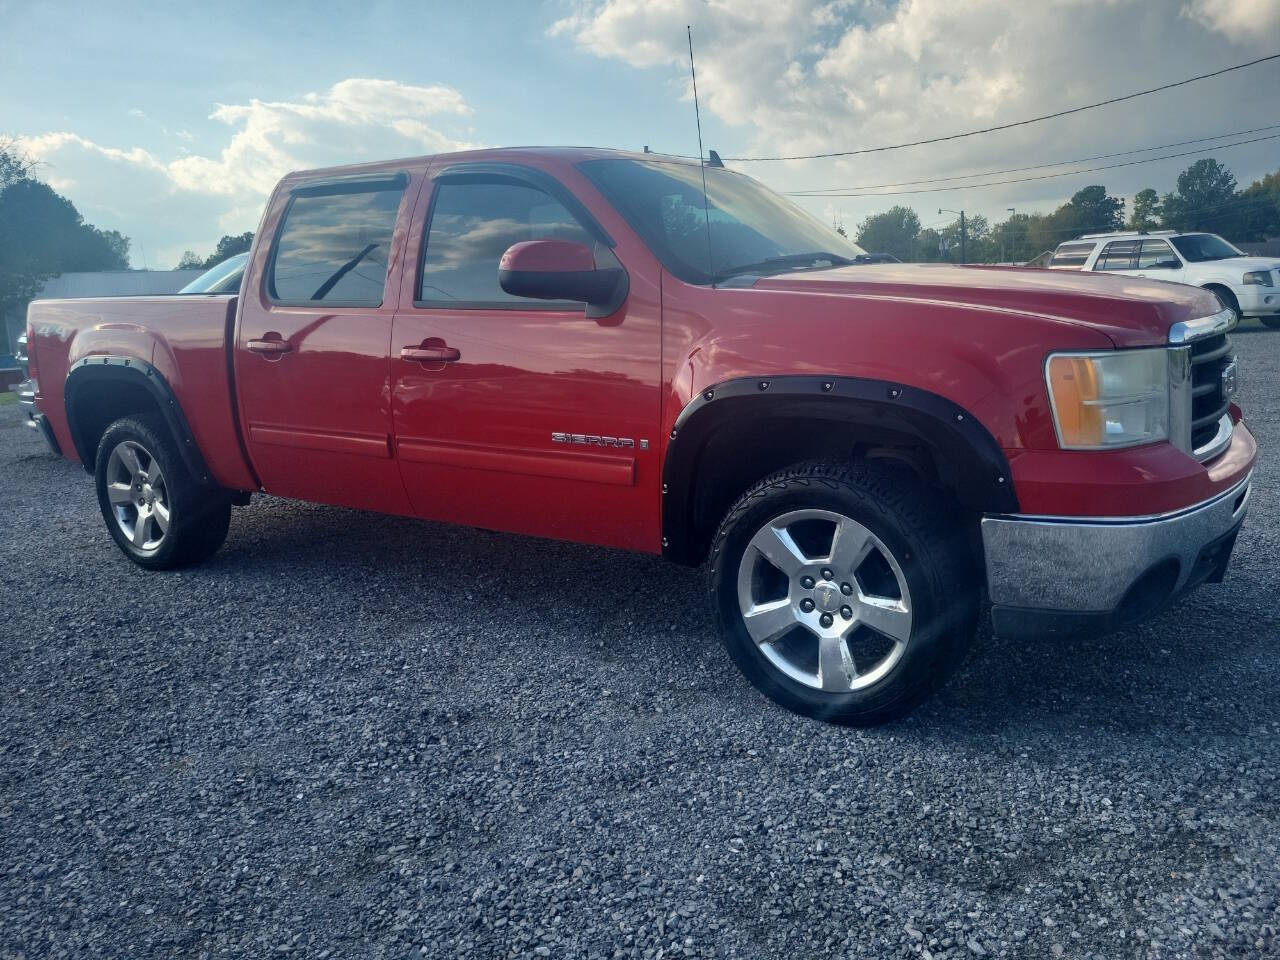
[1074, 386]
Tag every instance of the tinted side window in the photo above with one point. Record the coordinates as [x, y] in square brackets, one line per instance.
[1153, 252]
[1071, 255]
[1117, 256]
[473, 222]
[334, 247]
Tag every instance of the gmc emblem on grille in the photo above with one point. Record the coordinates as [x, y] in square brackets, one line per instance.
[1229, 380]
[592, 440]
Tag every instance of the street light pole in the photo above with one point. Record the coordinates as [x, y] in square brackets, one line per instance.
[962, 232]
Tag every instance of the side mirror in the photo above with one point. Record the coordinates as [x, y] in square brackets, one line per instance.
[1168, 265]
[562, 270]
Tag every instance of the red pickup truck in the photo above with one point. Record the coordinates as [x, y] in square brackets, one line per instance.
[569, 343]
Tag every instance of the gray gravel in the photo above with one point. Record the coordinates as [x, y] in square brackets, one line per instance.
[360, 736]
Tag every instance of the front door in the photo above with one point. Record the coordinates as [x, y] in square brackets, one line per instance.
[517, 414]
[313, 348]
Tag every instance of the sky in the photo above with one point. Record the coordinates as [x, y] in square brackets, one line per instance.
[172, 123]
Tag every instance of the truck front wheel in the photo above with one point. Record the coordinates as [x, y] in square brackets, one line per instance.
[843, 591]
[156, 511]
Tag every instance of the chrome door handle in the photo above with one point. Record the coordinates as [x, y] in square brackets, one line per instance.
[430, 354]
[271, 346]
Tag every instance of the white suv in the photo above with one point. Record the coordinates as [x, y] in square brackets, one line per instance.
[1248, 285]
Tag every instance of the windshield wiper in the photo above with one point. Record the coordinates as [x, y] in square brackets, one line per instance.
[795, 261]
[323, 290]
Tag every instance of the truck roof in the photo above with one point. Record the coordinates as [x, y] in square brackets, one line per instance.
[566, 154]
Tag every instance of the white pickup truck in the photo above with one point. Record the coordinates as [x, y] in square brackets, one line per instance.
[1248, 286]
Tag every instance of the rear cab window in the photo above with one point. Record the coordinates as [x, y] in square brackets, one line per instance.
[1071, 255]
[334, 244]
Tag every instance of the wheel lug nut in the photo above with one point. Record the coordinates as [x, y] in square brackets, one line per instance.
[806, 582]
[826, 620]
[806, 605]
[846, 589]
[826, 574]
[846, 612]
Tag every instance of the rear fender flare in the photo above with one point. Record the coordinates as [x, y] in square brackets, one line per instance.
[99, 369]
[965, 451]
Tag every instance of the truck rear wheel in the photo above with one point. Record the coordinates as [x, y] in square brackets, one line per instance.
[843, 591]
[157, 513]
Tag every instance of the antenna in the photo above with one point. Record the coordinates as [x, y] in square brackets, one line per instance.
[706, 204]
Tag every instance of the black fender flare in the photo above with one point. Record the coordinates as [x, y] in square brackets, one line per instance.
[969, 456]
[97, 369]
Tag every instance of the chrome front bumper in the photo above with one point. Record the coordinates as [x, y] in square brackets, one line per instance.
[1055, 575]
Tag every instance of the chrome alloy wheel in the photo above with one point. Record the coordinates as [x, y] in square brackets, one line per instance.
[136, 491]
[825, 600]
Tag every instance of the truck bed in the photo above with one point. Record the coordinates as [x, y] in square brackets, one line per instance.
[183, 338]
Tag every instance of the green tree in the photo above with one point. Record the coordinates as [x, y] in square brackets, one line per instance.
[895, 232]
[190, 260]
[229, 246]
[1146, 210]
[977, 245]
[1204, 199]
[1015, 240]
[41, 235]
[14, 164]
[1261, 207]
[928, 248]
[1089, 210]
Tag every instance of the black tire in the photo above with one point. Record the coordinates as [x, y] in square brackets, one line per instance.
[199, 514]
[1228, 300]
[1271, 323]
[930, 550]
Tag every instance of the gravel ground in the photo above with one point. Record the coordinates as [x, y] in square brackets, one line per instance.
[360, 736]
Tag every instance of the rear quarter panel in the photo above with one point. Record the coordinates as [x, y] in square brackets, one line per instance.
[183, 337]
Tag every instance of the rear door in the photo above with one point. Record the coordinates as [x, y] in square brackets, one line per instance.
[536, 418]
[312, 350]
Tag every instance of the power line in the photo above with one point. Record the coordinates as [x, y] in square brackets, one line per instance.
[1045, 176]
[1016, 123]
[1039, 166]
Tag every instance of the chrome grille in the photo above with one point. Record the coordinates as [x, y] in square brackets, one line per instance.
[1210, 356]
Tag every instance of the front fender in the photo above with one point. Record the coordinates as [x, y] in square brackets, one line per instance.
[970, 459]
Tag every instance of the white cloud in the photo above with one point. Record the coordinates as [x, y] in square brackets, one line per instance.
[1253, 22]
[814, 76]
[171, 203]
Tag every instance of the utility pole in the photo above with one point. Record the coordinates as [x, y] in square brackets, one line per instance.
[1012, 214]
[963, 238]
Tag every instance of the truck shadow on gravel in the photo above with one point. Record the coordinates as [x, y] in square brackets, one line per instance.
[1161, 679]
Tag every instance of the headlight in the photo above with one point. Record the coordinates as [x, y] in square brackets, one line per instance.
[1260, 278]
[1114, 399]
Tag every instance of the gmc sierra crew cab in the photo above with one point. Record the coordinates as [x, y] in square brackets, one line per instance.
[571, 343]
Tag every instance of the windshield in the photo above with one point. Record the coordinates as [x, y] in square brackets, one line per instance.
[753, 230]
[1199, 247]
[224, 278]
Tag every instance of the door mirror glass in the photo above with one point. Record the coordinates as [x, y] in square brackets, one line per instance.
[1168, 265]
[561, 270]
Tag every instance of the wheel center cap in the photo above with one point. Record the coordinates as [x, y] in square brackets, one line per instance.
[827, 597]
